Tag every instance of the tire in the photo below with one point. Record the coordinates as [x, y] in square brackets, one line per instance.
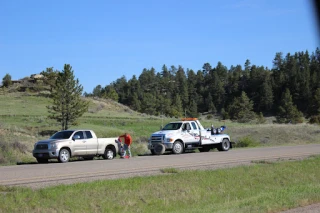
[64, 156]
[42, 160]
[204, 149]
[159, 149]
[152, 152]
[108, 154]
[224, 145]
[177, 148]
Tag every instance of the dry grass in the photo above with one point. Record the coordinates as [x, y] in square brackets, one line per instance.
[278, 134]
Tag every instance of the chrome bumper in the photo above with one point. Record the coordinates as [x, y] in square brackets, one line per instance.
[166, 145]
[45, 153]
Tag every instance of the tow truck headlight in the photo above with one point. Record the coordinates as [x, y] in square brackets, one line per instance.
[169, 140]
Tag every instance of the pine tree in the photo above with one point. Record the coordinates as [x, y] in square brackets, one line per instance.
[193, 109]
[177, 110]
[111, 93]
[218, 92]
[6, 81]
[288, 112]
[148, 104]
[266, 94]
[209, 102]
[67, 104]
[97, 91]
[50, 77]
[136, 104]
[315, 106]
[182, 86]
[241, 109]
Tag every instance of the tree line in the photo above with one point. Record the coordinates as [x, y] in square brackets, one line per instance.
[290, 90]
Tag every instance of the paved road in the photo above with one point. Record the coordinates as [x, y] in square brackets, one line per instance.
[41, 175]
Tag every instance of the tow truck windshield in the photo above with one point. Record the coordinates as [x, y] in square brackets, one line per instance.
[172, 126]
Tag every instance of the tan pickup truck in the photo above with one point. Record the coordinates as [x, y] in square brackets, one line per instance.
[70, 143]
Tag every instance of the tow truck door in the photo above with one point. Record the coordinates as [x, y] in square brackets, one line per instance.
[190, 132]
[196, 131]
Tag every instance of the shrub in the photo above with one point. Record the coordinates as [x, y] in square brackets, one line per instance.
[315, 119]
[209, 117]
[247, 141]
[139, 148]
[261, 119]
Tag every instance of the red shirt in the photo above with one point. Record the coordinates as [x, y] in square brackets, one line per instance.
[127, 139]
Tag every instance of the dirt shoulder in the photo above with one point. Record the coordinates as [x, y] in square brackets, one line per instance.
[314, 208]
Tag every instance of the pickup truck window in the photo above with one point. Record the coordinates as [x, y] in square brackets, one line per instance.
[62, 135]
[88, 134]
[80, 133]
[194, 125]
[172, 126]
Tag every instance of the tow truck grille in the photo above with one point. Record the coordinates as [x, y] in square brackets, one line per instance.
[42, 146]
[157, 138]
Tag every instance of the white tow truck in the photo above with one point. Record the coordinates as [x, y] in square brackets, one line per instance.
[188, 133]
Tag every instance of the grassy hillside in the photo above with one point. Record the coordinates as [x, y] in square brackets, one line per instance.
[23, 121]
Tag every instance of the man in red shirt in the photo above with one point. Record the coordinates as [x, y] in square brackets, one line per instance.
[127, 144]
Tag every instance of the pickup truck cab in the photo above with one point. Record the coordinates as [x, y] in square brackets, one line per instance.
[188, 133]
[70, 143]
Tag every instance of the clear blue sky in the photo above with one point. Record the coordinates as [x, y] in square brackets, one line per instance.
[104, 40]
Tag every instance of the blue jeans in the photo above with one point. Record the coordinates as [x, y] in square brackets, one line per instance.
[125, 148]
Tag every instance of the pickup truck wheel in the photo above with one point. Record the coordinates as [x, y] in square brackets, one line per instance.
[108, 154]
[64, 156]
[224, 145]
[42, 160]
[177, 147]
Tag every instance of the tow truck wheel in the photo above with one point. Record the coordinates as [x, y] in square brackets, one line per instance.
[159, 149]
[224, 145]
[152, 152]
[177, 147]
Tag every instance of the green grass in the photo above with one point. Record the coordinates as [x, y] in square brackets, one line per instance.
[257, 188]
[23, 119]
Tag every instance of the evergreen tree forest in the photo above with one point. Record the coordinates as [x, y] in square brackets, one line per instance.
[288, 90]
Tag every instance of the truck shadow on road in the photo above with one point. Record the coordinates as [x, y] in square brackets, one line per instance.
[79, 159]
[51, 161]
[169, 153]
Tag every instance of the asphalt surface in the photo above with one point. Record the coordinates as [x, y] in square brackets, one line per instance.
[53, 173]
